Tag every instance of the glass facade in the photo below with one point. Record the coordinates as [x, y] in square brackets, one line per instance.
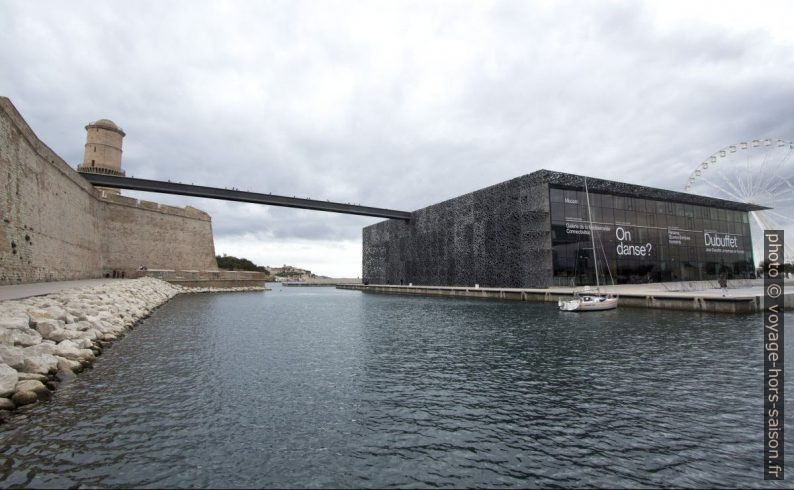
[645, 240]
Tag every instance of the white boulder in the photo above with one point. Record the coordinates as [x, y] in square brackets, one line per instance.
[13, 356]
[83, 343]
[8, 379]
[21, 398]
[70, 350]
[84, 325]
[46, 347]
[31, 385]
[53, 330]
[65, 364]
[41, 364]
[38, 314]
[51, 311]
[39, 377]
[19, 336]
[14, 322]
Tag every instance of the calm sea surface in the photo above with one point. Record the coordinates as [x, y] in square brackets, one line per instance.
[314, 387]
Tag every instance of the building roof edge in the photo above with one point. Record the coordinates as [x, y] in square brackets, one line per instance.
[595, 184]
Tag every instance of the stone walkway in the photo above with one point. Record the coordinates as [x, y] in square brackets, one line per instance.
[734, 292]
[744, 297]
[18, 291]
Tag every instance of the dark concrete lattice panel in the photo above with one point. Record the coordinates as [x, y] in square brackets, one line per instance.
[483, 237]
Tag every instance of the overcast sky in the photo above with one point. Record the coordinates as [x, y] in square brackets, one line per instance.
[394, 104]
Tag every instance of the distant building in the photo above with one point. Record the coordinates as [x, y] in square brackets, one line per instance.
[290, 273]
[534, 232]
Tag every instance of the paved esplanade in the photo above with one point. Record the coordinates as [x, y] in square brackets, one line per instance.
[19, 291]
[114, 181]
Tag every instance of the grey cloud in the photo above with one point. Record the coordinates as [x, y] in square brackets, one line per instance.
[394, 105]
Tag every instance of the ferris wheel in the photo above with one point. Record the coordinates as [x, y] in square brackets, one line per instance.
[758, 172]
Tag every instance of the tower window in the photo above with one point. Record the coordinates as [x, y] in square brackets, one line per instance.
[92, 163]
[95, 149]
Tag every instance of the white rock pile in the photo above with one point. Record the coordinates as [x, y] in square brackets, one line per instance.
[45, 339]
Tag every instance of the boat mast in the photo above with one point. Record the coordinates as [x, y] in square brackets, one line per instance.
[592, 233]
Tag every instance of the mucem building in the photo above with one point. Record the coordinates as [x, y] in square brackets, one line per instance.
[534, 232]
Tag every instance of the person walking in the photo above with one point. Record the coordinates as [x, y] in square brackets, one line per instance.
[723, 284]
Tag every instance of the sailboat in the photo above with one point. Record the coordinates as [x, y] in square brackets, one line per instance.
[588, 300]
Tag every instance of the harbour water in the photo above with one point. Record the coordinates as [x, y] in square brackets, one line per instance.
[317, 387]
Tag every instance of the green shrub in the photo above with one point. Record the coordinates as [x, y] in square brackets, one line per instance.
[232, 263]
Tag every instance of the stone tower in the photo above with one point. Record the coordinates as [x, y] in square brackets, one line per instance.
[103, 151]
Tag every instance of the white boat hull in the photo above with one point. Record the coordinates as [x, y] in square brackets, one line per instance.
[589, 304]
[590, 300]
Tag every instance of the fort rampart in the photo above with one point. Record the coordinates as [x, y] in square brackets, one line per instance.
[55, 226]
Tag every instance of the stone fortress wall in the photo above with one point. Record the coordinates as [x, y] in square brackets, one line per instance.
[55, 226]
[137, 233]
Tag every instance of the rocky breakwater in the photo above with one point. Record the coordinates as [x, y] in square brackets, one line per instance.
[47, 339]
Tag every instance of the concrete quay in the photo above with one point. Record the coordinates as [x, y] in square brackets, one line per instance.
[321, 282]
[309, 284]
[19, 291]
[215, 280]
[742, 296]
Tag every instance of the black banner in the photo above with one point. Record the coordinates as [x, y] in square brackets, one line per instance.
[773, 354]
